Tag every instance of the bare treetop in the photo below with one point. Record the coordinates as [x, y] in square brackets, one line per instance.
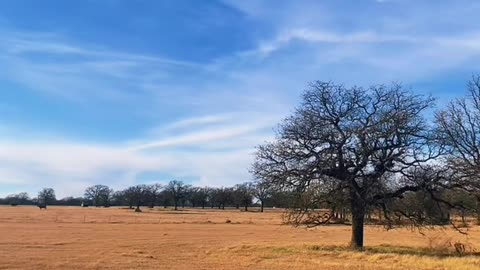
[459, 129]
[348, 139]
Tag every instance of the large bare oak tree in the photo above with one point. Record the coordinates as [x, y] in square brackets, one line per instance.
[351, 142]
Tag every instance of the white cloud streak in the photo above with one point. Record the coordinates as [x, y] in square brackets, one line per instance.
[222, 157]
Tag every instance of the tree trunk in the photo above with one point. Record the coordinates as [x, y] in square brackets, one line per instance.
[175, 204]
[261, 206]
[358, 219]
[478, 211]
[246, 208]
[357, 231]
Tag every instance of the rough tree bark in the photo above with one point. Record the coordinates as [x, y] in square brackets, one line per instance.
[358, 220]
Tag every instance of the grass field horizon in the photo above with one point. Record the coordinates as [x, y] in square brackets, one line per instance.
[117, 238]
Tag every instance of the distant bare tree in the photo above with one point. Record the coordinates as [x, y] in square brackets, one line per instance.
[100, 195]
[152, 194]
[214, 197]
[138, 195]
[119, 198]
[16, 199]
[244, 193]
[165, 198]
[133, 196]
[177, 191]
[222, 196]
[46, 196]
[198, 196]
[186, 194]
[262, 190]
[348, 140]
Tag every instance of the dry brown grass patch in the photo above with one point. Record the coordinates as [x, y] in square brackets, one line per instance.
[113, 238]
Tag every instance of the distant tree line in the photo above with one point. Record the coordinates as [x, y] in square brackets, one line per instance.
[175, 194]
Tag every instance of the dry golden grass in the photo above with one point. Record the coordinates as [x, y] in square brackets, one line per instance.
[89, 238]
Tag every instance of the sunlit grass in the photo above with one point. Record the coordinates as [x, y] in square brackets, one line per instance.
[341, 257]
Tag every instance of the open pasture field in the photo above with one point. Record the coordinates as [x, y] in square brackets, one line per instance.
[115, 238]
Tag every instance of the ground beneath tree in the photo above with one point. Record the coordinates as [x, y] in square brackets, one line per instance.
[113, 238]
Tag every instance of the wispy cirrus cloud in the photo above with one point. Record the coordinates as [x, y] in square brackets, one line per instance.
[193, 152]
[196, 121]
[211, 149]
[315, 36]
[48, 62]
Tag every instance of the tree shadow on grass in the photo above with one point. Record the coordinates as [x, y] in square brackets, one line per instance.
[439, 252]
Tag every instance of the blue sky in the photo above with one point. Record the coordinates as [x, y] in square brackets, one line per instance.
[127, 92]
